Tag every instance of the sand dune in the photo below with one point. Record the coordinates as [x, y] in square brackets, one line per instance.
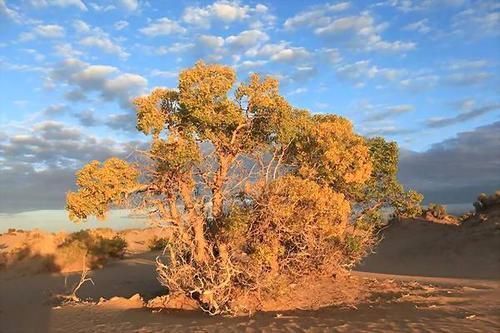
[423, 277]
[417, 247]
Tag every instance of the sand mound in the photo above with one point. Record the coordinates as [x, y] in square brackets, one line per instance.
[133, 302]
[417, 247]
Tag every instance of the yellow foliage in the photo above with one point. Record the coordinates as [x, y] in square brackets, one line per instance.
[101, 185]
[298, 204]
[155, 110]
[175, 154]
[331, 153]
[204, 102]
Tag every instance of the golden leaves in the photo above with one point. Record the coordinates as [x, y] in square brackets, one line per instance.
[330, 152]
[99, 186]
[155, 110]
[301, 203]
[205, 105]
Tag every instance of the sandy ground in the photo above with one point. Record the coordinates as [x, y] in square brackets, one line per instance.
[424, 278]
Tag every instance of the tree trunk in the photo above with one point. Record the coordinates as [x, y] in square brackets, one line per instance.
[218, 188]
[197, 222]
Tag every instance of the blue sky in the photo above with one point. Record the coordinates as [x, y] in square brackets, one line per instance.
[422, 73]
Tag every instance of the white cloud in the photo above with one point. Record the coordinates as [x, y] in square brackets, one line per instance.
[130, 5]
[55, 109]
[164, 74]
[123, 85]
[246, 39]
[478, 21]
[281, 52]
[120, 25]
[362, 33]
[172, 48]
[363, 70]
[332, 56]
[465, 64]
[420, 5]
[297, 91]
[101, 8]
[467, 79]
[9, 12]
[59, 3]
[36, 55]
[81, 26]
[301, 74]
[215, 48]
[212, 42]
[162, 27]
[8, 66]
[229, 11]
[105, 44]
[377, 114]
[419, 82]
[44, 31]
[290, 54]
[65, 50]
[223, 11]
[419, 26]
[250, 64]
[315, 16]
[96, 37]
[197, 16]
[107, 81]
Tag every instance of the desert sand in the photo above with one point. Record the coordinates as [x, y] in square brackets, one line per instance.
[423, 277]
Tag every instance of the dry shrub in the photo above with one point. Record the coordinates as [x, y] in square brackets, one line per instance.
[25, 261]
[436, 211]
[485, 201]
[158, 243]
[293, 228]
[96, 248]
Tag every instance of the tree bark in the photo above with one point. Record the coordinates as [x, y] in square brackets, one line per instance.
[218, 188]
[197, 222]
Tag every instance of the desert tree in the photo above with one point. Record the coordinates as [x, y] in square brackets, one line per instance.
[258, 194]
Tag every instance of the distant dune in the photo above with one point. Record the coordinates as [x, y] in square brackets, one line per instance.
[419, 247]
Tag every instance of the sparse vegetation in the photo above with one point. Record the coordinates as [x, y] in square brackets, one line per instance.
[485, 201]
[436, 211]
[259, 194]
[96, 249]
[158, 243]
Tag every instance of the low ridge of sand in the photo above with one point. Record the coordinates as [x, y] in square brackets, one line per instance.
[423, 277]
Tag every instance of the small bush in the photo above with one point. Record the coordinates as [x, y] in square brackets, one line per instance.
[98, 248]
[485, 201]
[436, 211]
[114, 247]
[82, 236]
[465, 216]
[70, 255]
[158, 243]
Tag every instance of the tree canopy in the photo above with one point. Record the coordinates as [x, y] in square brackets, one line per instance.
[257, 192]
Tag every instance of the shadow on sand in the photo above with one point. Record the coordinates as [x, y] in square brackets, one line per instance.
[411, 248]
